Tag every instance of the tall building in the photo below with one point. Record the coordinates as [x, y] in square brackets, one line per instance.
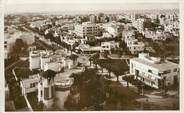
[46, 88]
[87, 29]
[155, 72]
[93, 18]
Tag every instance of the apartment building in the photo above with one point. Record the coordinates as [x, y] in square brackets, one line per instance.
[135, 46]
[115, 29]
[154, 72]
[87, 29]
[132, 43]
[139, 24]
[29, 84]
[155, 34]
[46, 88]
[107, 46]
[46, 60]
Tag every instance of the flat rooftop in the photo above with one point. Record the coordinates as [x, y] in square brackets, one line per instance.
[162, 66]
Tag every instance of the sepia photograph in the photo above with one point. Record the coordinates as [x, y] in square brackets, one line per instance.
[91, 56]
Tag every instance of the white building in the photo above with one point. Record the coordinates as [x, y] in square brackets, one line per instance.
[87, 29]
[40, 23]
[130, 35]
[54, 66]
[154, 72]
[67, 27]
[30, 84]
[132, 43]
[155, 35]
[85, 48]
[46, 88]
[135, 46]
[107, 46]
[115, 29]
[106, 35]
[45, 58]
[34, 60]
[139, 24]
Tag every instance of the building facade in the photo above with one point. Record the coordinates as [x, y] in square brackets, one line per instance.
[30, 84]
[154, 72]
[46, 88]
[87, 29]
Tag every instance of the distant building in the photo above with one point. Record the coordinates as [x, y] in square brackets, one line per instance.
[135, 46]
[155, 34]
[87, 29]
[139, 24]
[55, 66]
[107, 46]
[112, 17]
[84, 48]
[93, 19]
[40, 24]
[44, 59]
[132, 43]
[106, 35]
[155, 72]
[113, 28]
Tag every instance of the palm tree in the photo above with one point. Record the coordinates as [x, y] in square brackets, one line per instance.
[117, 76]
[127, 79]
[90, 61]
[165, 87]
[109, 70]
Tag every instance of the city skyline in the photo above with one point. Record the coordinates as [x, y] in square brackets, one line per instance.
[82, 55]
[40, 6]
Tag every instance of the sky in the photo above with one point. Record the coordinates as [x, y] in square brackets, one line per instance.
[18, 6]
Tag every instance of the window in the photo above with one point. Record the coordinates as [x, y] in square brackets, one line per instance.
[152, 83]
[159, 74]
[150, 71]
[46, 93]
[32, 85]
[149, 76]
[41, 93]
[53, 91]
[175, 70]
[167, 71]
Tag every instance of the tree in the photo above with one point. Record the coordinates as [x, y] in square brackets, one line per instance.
[117, 76]
[164, 86]
[128, 79]
[20, 47]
